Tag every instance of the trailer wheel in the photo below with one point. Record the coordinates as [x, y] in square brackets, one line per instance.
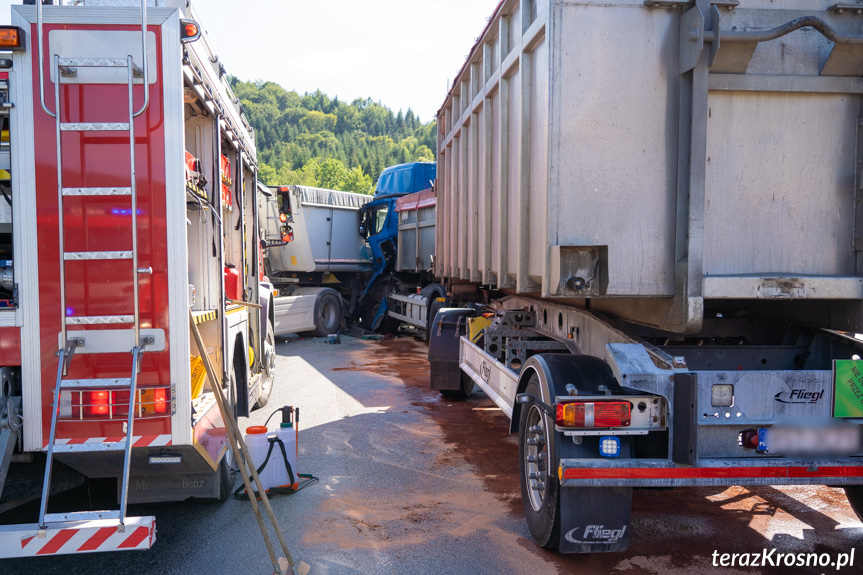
[467, 387]
[268, 367]
[855, 498]
[540, 490]
[328, 317]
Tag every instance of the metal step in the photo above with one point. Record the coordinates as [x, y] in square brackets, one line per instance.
[95, 383]
[100, 319]
[95, 62]
[82, 516]
[80, 256]
[90, 447]
[94, 127]
[97, 191]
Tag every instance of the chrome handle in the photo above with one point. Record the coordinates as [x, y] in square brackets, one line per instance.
[147, 270]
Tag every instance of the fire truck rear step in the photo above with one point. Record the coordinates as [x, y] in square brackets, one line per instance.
[90, 447]
[82, 516]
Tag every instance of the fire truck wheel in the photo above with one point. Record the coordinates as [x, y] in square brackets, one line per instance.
[540, 491]
[268, 367]
[329, 315]
[227, 476]
[855, 498]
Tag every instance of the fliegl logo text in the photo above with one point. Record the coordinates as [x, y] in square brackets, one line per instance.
[596, 534]
[799, 396]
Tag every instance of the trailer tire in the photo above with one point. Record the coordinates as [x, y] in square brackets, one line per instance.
[268, 367]
[541, 506]
[435, 307]
[328, 315]
[854, 493]
[467, 387]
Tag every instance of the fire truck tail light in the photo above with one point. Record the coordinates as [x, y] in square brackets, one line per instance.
[99, 403]
[160, 400]
[11, 38]
[594, 414]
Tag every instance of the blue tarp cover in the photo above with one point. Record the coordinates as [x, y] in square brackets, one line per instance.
[406, 179]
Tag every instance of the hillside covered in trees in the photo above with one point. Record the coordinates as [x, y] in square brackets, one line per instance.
[313, 140]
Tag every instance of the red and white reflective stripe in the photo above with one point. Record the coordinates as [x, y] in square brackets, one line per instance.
[137, 440]
[91, 537]
[709, 472]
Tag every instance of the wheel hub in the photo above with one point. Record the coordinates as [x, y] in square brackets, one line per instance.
[536, 457]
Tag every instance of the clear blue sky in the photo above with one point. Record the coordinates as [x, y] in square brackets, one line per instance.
[400, 52]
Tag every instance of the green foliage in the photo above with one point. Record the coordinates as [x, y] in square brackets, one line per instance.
[313, 140]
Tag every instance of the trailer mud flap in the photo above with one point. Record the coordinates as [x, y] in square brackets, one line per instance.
[594, 519]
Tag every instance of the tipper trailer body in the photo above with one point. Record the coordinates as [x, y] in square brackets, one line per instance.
[133, 214]
[661, 204]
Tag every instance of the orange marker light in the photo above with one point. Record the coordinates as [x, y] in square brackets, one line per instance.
[10, 37]
[189, 31]
[283, 217]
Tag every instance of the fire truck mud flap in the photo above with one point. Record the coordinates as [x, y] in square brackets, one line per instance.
[594, 519]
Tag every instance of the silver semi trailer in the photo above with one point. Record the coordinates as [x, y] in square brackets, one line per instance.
[661, 206]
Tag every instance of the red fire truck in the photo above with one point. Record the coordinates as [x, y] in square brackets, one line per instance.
[128, 212]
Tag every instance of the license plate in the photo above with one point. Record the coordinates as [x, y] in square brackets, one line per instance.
[836, 440]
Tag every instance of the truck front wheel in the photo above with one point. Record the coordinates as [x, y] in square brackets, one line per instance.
[328, 316]
[540, 490]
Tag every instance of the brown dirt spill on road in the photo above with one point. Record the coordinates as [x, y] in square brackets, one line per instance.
[474, 430]
[673, 532]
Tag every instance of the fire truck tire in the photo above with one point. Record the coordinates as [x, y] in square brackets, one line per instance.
[540, 499]
[855, 498]
[268, 367]
[227, 476]
[328, 315]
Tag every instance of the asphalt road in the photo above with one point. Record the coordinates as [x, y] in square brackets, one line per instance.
[411, 484]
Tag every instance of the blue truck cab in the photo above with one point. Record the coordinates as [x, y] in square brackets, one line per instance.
[380, 227]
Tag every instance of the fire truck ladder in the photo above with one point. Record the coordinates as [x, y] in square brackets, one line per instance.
[65, 67]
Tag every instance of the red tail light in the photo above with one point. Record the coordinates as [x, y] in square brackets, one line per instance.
[99, 403]
[594, 414]
[160, 398]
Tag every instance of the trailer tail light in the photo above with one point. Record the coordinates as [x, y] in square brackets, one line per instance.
[189, 31]
[11, 38]
[283, 217]
[98, 403]
[594, 414]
